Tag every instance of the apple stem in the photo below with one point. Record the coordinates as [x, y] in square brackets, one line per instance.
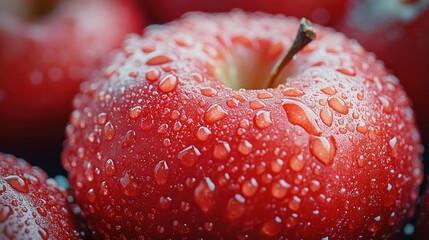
[305, 35]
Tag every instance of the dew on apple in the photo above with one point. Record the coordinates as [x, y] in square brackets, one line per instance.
[301, 115]
[17, 183]
[5, 213]
[110, 167]
[208, 91]
[276, 165]
[214, 114]
[249, 187]
[189, 156]
[292, 92]
[280, 188]
[338, 105]
[221, 150]
[324, 149]
[204, 195]
[135, 112]
[256, 104]
[104, 190]
[326, 116]
[262, 119]
[295, 203]
[265, 95]
[245, 147]
[129, 139]
[109, 131]
[158, 60]
[203, 133]
[235, 207]
[168, 83]
[329, 90]
[297, 163]
[146, 122]
[272, 227]
[347, 71]
[387, 105]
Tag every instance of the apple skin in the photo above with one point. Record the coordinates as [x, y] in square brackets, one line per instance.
[324, 12]
[42, 63]
[158, 146]
[398, 35]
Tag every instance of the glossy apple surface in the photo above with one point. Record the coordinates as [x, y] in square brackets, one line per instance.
[182, 136]
[44, 56]
[319, 11]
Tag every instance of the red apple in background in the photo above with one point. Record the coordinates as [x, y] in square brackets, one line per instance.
[198, 129]
[397, 31]
[32, 206]
[319, 11]
[46, 49]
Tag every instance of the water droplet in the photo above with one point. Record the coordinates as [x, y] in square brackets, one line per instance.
[235, 207]
[161, 172]
[131, 188]
[109, 131]
[362, 128]
[208, 91]
[158, 60]
[129, 139]
[232, 103]
[153, 75]
[301, 115]
[89, 172]
[292, 92]
[249, 187]
[110, 168]
[295, 203]
[90, 196]
[204, 195]
[214, 114]
[265, 95]
[189, 156]
[43, 232]
[262, 119]
[104, 190]
[135, 112]
[347, 71]
[17, 183]
[168, 83]
[146, 123]
[102, 118]
[338, 105]
[326, 116]
[280, 188]
[323, 149]
[221, 150]
[389, 197]
[165, 202]
[163, 128]
[203, 133]
[276, 165]
[256, 104]
[393, 146]
[297, 163]
[208, 226]
[2, 188]
[5, 213]
[272, 227]
[314, 186]
[245, 147]
[180, 228]
[387, 105]
[329, 90]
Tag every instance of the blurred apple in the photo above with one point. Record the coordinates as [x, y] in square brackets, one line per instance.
[46, 49]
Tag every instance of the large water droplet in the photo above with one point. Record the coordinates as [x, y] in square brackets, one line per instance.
[295, 203]
[262, 119]
[43, 233]
[181, 228]
[109, 131]
[276, 165]
[5, 213]
[214, 114]
[168, 83]
[326, 116]
[297, 163]
[249, 187]
[245, 147]
[235, 207]
[272, 227]
[292, 92]
[161, 172]
[323, 149]
[157, 60]
[208, 91]
[393, 147]
[256, 104]
[189, 156]
[221, 150]
[129, 139]
[17, 183]
[280, 188]
[165, 202]
[204, 195]
[338, 105]
[301, 115]
[203, 133]
[329, 90]
[153, 75]
[110, 168]
[135, 112]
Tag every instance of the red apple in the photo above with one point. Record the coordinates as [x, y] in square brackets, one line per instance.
[199, 129]
[397, 32]
[46, 49]
[31, 204]
[319, 11]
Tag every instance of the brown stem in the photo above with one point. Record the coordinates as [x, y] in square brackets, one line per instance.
[305, 35]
